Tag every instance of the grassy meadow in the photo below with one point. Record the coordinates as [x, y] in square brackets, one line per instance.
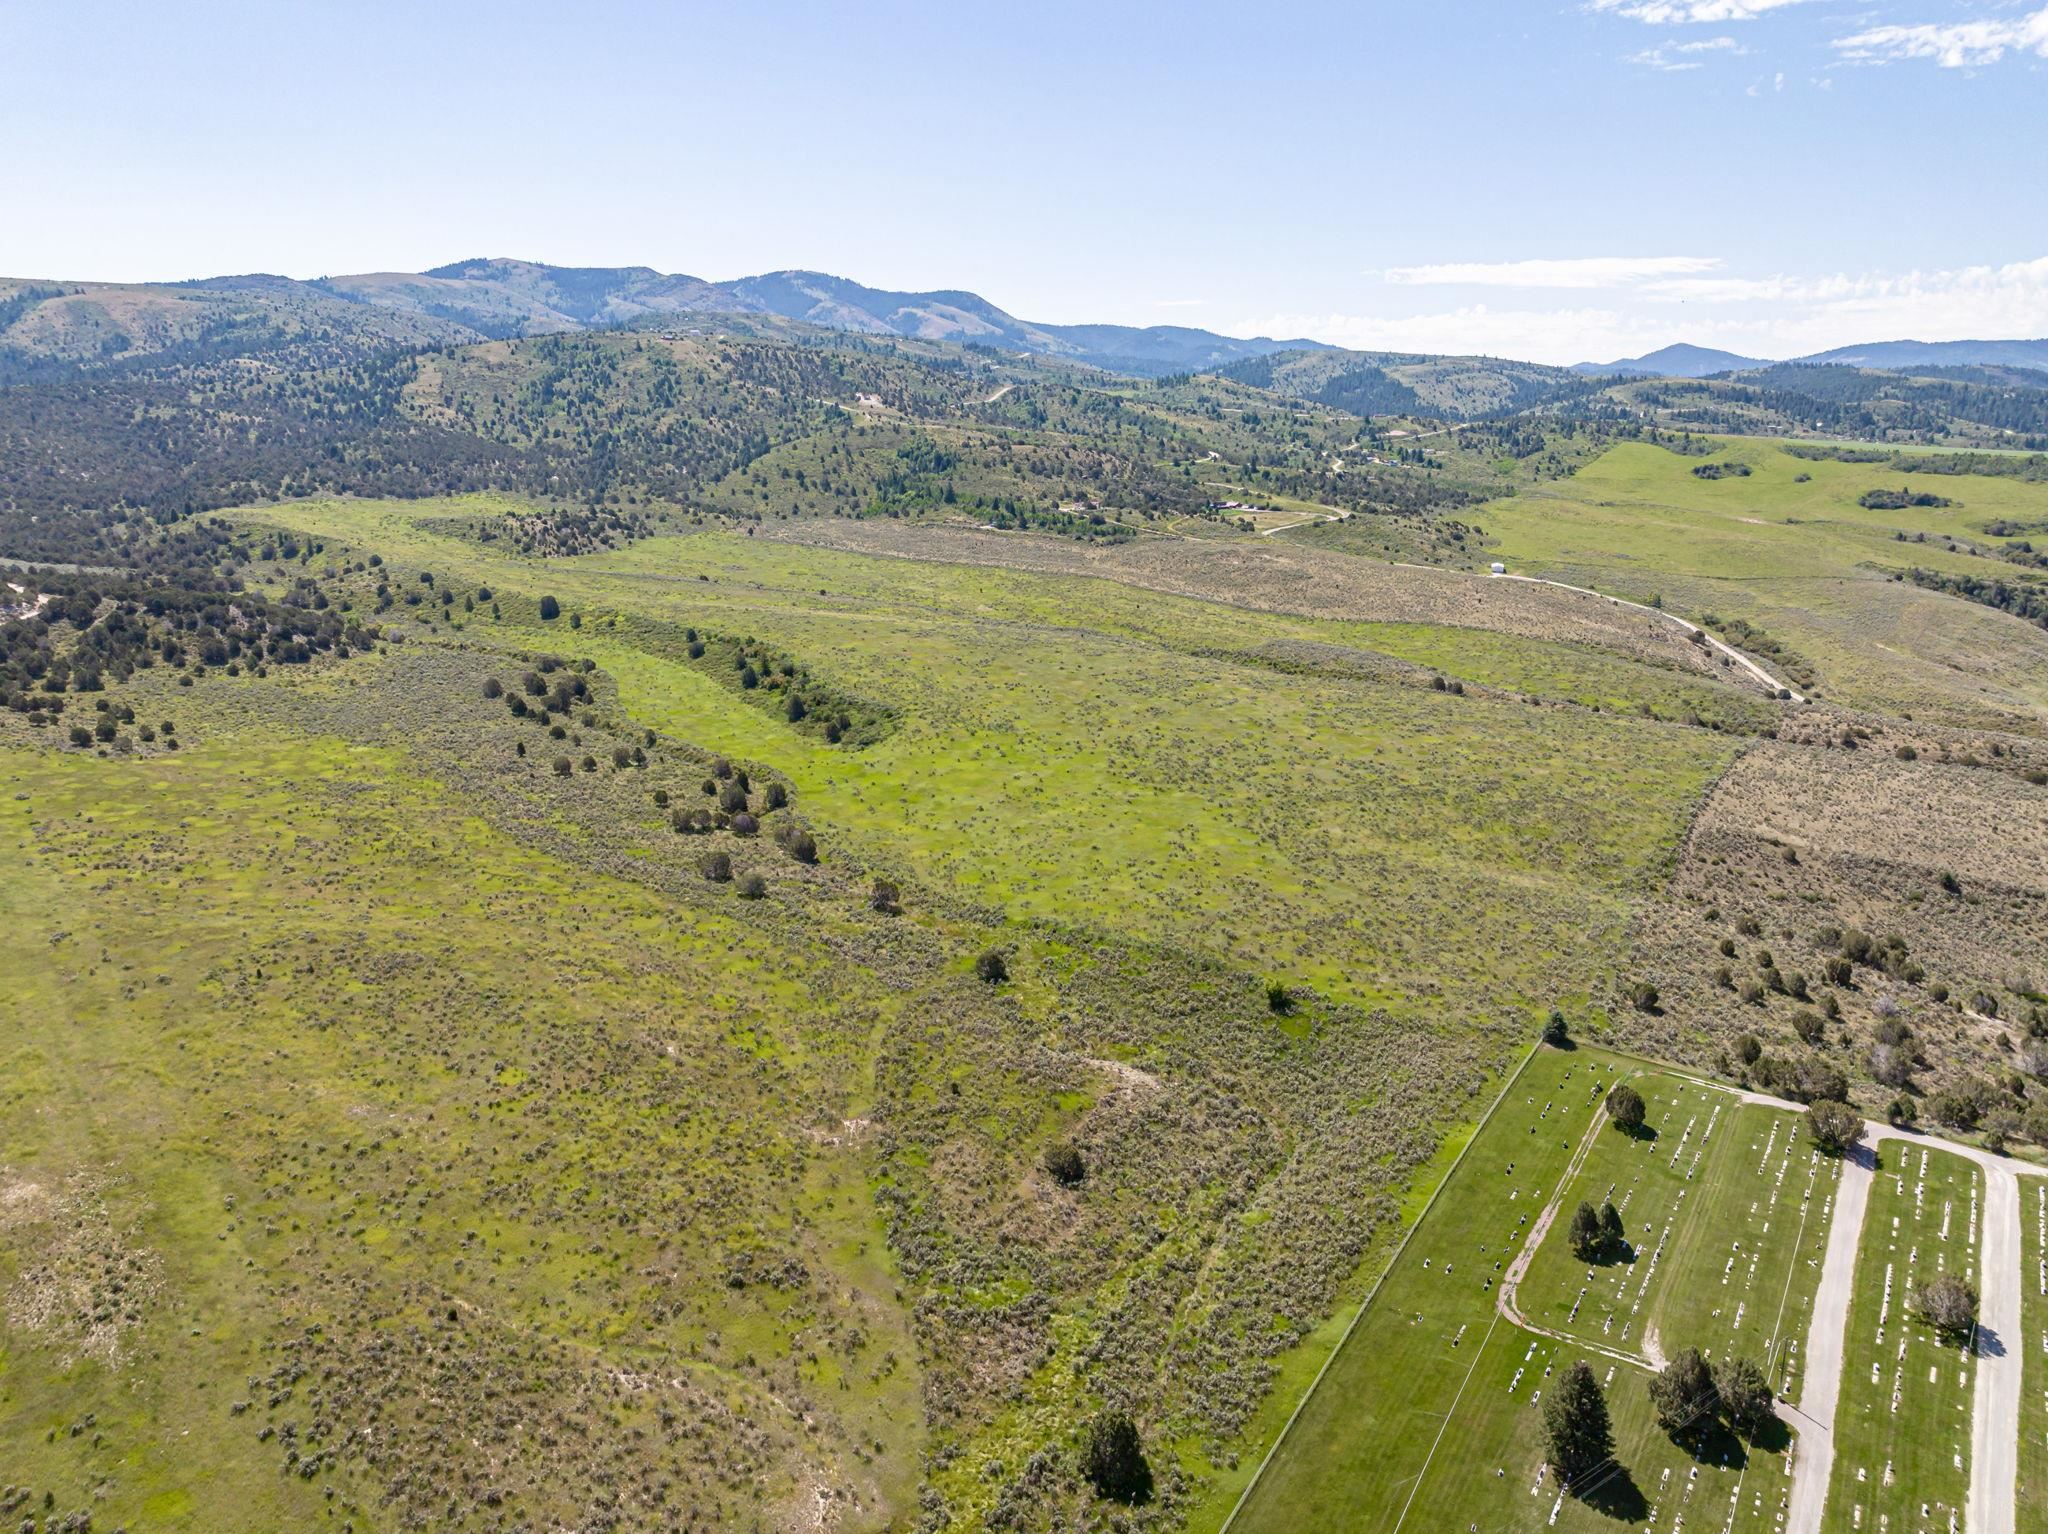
[420, 1112]
[403, 1120]
[1077, 747]
[844, 923]
[331, 1105]
[1789, 549]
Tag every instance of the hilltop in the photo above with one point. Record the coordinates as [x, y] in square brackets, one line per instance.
[1680, 361]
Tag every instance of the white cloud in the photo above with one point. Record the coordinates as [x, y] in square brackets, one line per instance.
[1775, 316]
[1675, 12]
[1952, 45]
[1572, 272]
[1718, 290]
[1682, 56]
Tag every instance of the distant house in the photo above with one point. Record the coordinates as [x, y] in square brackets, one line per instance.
[1499, 568]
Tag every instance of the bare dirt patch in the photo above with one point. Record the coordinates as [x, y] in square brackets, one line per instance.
[84, 1285]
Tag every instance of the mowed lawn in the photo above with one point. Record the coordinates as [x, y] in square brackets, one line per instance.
[1789, 548]
[1429, 1418]
[1718, 1202]
[1902, 1425]
[2033, 1342]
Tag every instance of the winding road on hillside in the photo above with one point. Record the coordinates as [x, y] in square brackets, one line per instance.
[1771, 683]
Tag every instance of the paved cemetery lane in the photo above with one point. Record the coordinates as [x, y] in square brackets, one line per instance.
[1822, 1388]
[1995, 1418]
[1995, 1413]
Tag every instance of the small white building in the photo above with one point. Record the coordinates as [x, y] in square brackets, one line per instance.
[1499, 568]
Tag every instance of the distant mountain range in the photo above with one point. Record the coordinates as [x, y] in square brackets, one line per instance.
[83, 324]
[1941, 354]
[523, 297]
[1684, 361]
[48, 328]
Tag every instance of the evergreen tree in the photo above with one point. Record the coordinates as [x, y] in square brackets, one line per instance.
[1585, 1233]
[1610, 1228]
[1625, 1107]
[1834, 1126]
[1745, 1395]
[1578, 1438]
[1685, 1395]
[1113, 1459]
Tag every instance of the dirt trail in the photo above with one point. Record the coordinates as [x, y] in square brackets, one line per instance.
[1510, 1281]
[1334, 516]
[27, 609]
[1771, 683]
[1652, 1356]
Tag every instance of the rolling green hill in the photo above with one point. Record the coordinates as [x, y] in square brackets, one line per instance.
[1389, 383]
[773, 925]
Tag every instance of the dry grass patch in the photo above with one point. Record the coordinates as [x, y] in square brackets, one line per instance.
[1284, 579]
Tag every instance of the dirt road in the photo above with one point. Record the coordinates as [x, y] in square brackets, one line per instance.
[1335, 516]
[1771, 683]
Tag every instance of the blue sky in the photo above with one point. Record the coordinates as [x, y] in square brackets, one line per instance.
[1522, 177]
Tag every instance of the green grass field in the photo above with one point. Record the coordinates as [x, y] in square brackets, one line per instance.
[401, 1083]
[866, 930]
[359, 1018]
[321, 1071]
[1788, 548]
[1724, 1213]
[1427, 1417]
[2033, 1343]
[1902, 1424]
[1077, 746]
